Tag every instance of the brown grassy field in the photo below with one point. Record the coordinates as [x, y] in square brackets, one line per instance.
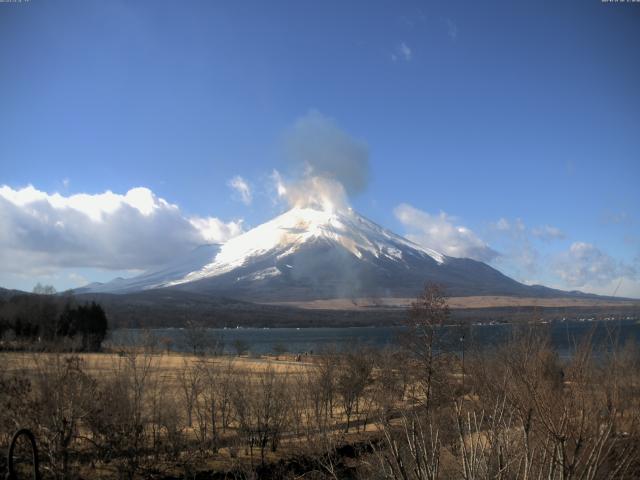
[176, 383]
[165, 364]
[460, 302]
[363, 413]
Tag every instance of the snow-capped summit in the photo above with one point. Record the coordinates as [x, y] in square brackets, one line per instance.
[310, 253]
[288, 233]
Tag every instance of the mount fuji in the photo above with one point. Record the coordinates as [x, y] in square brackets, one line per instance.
[311, 254]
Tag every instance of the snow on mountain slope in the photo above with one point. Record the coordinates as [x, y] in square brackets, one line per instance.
[286, 234]
[309, 253]
[276, 240]
[158, 277]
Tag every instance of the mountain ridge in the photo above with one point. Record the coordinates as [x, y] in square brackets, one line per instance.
[308, 254]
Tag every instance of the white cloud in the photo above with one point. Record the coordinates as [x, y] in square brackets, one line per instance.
[502, 224]
[402, 52]
[242, 188]
[214, 230]
[514, 227]
[617, 287]
[518, 256]
[77, 279]
[452, 29]
[405, 51]
[278, 182]
[548, 233]
[585, 265]
[42, 232]
[440, 233]
[582, 267]
[96, 207]
[617, 218]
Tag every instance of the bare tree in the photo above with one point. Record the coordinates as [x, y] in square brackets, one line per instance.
[354, 376]
[262, 409]
[190, 383]
[201, 340]
[64, 398]
[119, 426]
[392, 378]
[411, 451]
[279, 349]
[324, 383]
[212, 405]
[551, 419]
[429, 312]
[241, 347]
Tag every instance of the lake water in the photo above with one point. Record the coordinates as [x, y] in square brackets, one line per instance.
[564, 336]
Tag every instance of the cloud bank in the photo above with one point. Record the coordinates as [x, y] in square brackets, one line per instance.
[136, 230]
[585, 264]
[440, 233]
[582, 266]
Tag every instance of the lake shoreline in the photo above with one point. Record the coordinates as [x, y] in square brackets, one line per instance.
[264, 340]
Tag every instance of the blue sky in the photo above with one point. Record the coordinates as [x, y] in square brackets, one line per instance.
[508, 130]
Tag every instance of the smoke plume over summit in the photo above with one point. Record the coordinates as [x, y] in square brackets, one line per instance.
[327, 164]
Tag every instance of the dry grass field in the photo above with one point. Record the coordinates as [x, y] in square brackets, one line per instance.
[461, 302]
[165, 364]
[180, 398]
[415, 413]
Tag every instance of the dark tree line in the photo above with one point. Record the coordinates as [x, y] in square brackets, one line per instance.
[89, 321]
[48, 318]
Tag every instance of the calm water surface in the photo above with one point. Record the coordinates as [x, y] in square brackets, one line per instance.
[564, 336]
